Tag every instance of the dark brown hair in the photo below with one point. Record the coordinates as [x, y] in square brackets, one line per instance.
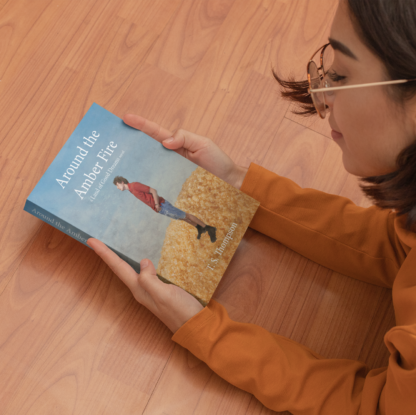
[120, 179]
[387, 28]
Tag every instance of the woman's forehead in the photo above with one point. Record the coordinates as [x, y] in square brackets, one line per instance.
[344, 33]
[342, 28]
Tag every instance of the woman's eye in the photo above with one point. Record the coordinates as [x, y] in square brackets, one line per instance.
[334, 77]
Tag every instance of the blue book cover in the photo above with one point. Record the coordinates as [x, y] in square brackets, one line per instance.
[106, 183]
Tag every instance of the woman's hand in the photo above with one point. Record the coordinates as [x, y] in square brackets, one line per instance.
[172, 305]
[200, 150]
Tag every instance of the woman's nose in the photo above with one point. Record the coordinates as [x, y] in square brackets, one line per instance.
[329, 96]
[329, 100]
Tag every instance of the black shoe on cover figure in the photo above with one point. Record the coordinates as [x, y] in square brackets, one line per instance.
[201, 230]
[211, 232]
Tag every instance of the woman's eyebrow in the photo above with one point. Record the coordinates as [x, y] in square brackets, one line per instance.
[336, 45]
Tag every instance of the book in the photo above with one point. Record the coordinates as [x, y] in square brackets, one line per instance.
[114, 183]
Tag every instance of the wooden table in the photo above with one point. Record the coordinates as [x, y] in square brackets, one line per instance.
[72, 338]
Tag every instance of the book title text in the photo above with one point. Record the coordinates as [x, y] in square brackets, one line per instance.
[104, 154]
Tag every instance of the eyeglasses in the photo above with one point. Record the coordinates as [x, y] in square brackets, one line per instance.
[320, 83]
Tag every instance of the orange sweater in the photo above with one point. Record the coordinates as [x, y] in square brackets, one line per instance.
[368, 244]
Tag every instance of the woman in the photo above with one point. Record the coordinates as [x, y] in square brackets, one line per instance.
[375, 126]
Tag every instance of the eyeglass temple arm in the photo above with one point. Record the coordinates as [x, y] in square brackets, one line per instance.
[336, 88]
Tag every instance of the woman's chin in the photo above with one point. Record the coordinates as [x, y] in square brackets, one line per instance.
[352, 168]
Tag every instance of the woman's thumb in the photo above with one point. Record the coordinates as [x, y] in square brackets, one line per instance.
[184, 139]
[175, 142]
[170, 143]
[148, 278]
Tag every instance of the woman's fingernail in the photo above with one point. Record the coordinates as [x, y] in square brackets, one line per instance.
[168, 140]
[144, 264]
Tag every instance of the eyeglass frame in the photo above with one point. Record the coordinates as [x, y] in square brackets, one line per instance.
[336, 88]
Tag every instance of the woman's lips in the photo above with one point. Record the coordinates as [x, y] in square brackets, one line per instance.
[336, 135]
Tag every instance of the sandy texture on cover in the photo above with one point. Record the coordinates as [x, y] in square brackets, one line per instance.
[184, 258]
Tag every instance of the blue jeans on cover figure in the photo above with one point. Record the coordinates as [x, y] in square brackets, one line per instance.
[171, 211]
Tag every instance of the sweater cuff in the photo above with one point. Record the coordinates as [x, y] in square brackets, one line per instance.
[194, 324]
[256, 180]
[251, 179]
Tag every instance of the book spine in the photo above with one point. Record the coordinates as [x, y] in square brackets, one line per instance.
[70, 230]
[56, 222]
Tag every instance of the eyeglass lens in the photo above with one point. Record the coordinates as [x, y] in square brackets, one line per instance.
[316, 83]
[327, 58]
[317, 77]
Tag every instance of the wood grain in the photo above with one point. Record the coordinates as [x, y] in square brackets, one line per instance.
[188, 35]
[72, 338]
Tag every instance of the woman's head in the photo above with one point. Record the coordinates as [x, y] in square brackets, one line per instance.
[375, 127]
[376, 123]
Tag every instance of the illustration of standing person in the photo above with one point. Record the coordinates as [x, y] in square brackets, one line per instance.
[150, 197]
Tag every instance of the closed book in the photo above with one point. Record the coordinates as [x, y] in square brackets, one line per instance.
[116, 184]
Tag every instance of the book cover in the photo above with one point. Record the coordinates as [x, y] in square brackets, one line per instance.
[116, 184]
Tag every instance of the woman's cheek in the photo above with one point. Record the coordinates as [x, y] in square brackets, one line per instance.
[352, 144]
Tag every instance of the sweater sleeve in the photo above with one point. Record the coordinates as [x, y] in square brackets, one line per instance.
[287, 376]
[400, 384]
[328, 229]
[282, 374]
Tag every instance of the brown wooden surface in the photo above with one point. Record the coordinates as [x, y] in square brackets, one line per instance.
[72, 339]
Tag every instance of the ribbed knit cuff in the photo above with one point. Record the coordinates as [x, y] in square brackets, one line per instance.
[251, 180]
[194, 324]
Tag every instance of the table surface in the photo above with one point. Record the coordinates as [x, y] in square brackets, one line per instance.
[72, 338]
